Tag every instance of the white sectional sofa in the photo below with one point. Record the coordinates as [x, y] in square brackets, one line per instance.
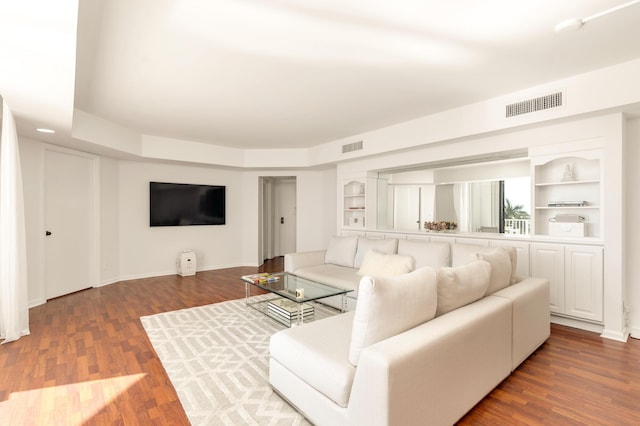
[421, 347]
[340, 263]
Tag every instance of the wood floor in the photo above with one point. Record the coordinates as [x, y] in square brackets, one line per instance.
[88, 361]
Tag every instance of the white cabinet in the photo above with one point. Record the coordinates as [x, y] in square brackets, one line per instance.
[547, 261]
[575, 277]
[565, 187]
[583, 282]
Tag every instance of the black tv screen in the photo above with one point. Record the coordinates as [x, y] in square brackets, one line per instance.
[179, 204]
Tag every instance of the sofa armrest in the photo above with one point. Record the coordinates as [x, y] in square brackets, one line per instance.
[434, 373]
[531, 315]
[294, 261]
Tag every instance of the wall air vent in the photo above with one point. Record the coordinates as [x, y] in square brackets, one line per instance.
[532, 105]
[350, 147]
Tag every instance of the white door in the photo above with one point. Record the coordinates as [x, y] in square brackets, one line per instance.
[286, 217]
[68, 224]
[406, 211]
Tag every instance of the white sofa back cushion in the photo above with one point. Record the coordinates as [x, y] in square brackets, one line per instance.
[462, 285]
[391, 305]
[460, 255]
[341, 251]
[386, 246]
[435, 255]
[500, 262]
[378, 264]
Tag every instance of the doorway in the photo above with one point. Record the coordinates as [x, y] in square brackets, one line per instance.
[279, 220]
[70, 206]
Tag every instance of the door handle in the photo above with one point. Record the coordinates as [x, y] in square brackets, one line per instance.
[47, 233]
[282, 220]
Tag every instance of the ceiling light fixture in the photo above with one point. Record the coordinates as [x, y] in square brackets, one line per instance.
[45, 130]
[576, 23]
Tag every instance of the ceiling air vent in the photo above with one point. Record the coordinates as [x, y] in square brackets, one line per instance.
[350, 147]
[532, 105]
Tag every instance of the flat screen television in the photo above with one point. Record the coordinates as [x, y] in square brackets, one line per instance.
[180, 204]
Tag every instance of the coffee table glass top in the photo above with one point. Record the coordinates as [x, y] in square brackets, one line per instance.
[289, 285]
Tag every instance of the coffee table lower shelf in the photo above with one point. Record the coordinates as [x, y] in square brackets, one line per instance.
[296, 300]
[288, 314]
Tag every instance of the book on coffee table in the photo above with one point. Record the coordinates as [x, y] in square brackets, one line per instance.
[263, 277]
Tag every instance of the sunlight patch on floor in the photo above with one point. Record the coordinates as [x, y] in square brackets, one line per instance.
[71, 404]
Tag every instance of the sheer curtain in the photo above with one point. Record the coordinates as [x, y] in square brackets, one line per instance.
[14, 312]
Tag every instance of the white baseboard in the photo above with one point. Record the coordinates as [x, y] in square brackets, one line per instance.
[582, 325]
[41, 301]
[589, 326]
[615, 335]
[174, 272]
[36, 302]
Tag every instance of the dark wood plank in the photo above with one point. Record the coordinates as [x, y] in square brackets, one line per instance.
[89, 360]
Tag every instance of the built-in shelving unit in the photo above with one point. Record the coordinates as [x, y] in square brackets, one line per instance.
[354, 204]
[567, 194]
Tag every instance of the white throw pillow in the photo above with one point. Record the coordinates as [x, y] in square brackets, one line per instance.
[365, 245]
[500, 261]
[388, 306]
[379, 264]
[341, 251]
[462, 285]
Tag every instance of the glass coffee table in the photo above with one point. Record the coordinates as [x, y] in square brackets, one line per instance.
[293, 305]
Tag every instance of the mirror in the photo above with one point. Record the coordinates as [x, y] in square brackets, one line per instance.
[490, 197]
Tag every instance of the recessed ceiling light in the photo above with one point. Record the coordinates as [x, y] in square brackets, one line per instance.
[45, 130]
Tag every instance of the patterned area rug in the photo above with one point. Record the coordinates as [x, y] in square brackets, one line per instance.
[217, 357]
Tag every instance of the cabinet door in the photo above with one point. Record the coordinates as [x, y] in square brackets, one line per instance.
[583, 282]
[547, 261]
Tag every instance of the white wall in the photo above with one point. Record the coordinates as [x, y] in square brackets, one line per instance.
[109, 221]
[632, 227]
[316, 209]
[316, 206]
[129, 248]
[145, 251]
[32, 162]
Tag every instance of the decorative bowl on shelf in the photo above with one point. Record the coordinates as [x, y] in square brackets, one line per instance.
[440, 226]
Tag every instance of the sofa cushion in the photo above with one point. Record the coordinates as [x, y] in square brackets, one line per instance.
[387, 246]
[318, 353]
[337, 276]
[500, 262]
[341, 251]
[435, 255]
[390, 305]
[460, 255]
[379, 264]
[461, 285]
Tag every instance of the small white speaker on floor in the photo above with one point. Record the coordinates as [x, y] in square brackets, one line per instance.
[186, 263]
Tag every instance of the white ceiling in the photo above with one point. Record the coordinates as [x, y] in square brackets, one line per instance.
[298, 73]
